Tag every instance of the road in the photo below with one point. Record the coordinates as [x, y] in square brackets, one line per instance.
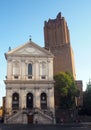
[46, 127]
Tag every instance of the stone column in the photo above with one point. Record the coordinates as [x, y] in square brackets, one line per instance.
[24, 99]
[50, 67]
[9, 69]
[37, 70]
[8, 102]
[37, 97]
[23, 73]
[51, 98]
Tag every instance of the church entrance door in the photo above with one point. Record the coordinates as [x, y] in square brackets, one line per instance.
[29, 101]
[43, 101]
[15, 101]
[30, 119]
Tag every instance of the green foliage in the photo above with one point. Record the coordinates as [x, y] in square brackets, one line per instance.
[87, 99]
[88, 89]
[66, 88]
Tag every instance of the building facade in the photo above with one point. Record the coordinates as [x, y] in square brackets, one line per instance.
[29, 85]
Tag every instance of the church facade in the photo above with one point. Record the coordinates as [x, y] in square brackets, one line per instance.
[29, 85]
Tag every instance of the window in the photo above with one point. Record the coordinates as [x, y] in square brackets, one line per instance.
[43, 70]
[16, 76]
[43, 77]
[29, 71]
[16, 69]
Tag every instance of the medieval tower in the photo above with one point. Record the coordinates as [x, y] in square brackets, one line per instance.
[57, 40]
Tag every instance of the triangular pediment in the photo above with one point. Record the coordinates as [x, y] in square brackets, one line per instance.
[30, 49]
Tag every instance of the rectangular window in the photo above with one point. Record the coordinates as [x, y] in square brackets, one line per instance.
[43, 77]
[43, 70]
[29, 69]
[29, 76]
[16, 76]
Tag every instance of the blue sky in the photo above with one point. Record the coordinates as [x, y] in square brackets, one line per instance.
[21, 18]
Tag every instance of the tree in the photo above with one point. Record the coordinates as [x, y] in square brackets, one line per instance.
[65, 89]
[87, 99]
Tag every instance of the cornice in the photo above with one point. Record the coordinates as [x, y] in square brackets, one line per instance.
[29, 81]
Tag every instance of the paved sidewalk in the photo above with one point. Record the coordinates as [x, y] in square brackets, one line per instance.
[67, 126]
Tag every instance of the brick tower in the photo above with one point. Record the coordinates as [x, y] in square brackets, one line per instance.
[57, 40]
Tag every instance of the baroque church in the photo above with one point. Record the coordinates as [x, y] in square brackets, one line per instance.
[29, 85]
[30, 70]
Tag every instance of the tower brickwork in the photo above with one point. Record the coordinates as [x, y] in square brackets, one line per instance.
[57, 40]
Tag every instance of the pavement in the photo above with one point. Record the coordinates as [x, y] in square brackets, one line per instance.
[67, 126]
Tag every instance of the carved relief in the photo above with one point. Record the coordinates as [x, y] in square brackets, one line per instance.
[30, 50]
